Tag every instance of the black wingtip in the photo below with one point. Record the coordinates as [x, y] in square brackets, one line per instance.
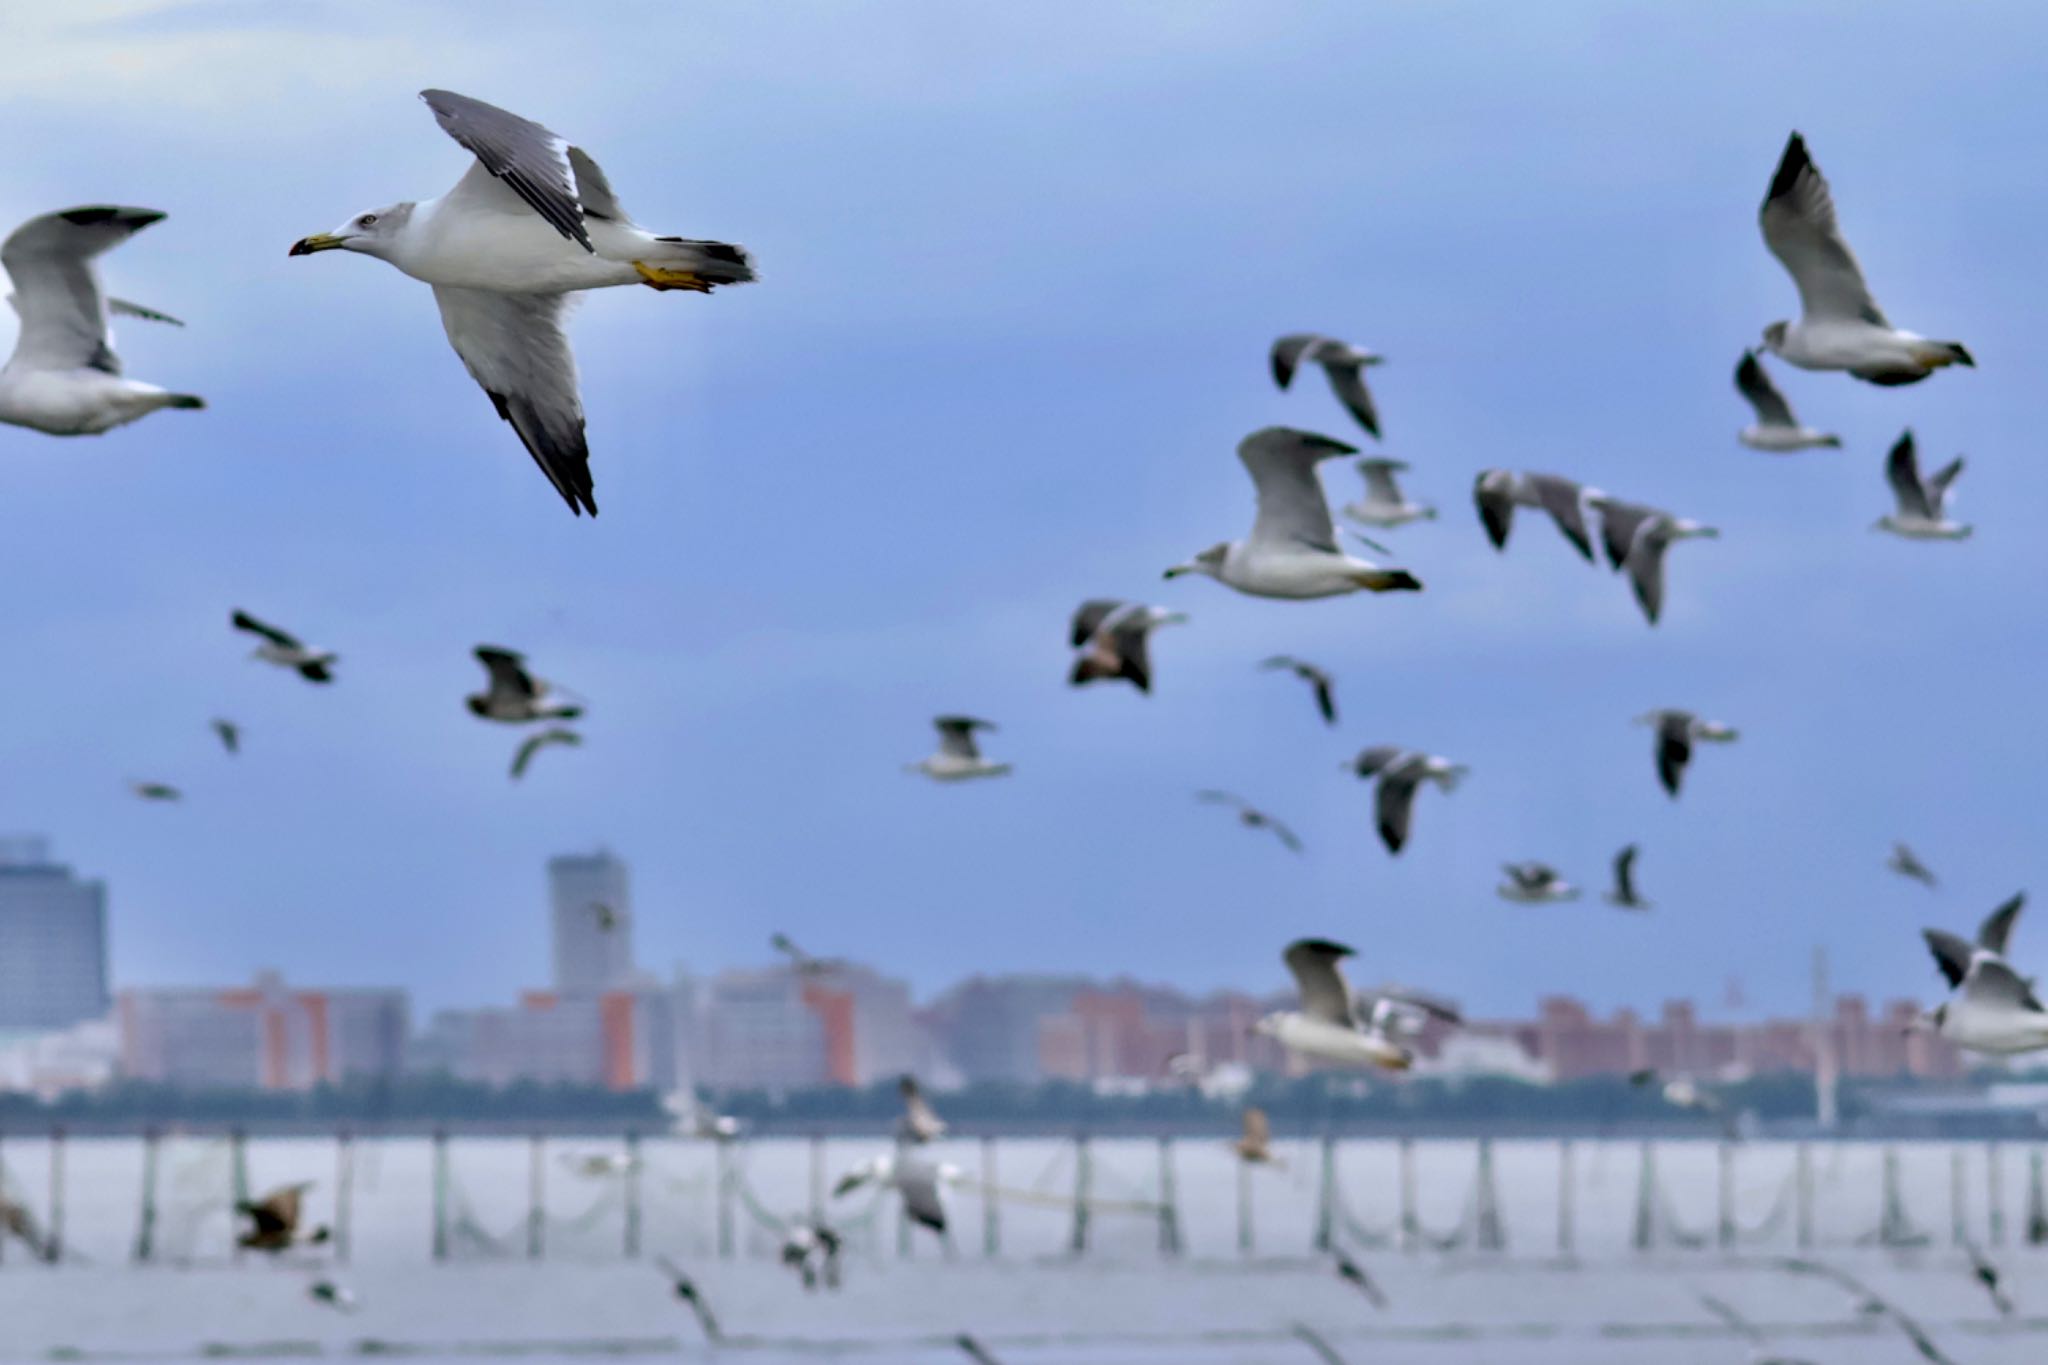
[1794, 161]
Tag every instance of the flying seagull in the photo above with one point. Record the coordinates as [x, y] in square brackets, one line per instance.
[1400, 771]
[1986, 1274]
[683, 1287]
[532, 221]
[1922, 502]
[1676, 731]
[1498, 492]
[1354, 1274]
[1994, 1010]
[156, 791]
[1326, 1025]
[284, 649]
[64, 378]
[1251, 817]
[916, 1179]
[1343, 364]
[333, 1294]
[534, 743]
[803, 963]
[1292, 551]
[1775, 429]
[1907, 864]
[1623, 893]
[1635, 539]
[919, 1121]
[1114, 639]
[959, 757]
[274, 1220]
[1840, 326]
[1383, 503]
[1955, 957]
[1326, 701]
[1255, 1144]
[512, 694]
[1534, 884]
[230, 735]
[606, 918]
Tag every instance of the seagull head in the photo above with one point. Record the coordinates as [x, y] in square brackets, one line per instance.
[371, 232]
[1209, 561]
[1267, 1025]
[1774, 337]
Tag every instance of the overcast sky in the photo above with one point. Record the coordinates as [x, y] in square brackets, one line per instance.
[1019, 270]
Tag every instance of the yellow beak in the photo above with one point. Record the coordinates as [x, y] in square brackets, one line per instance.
[319, 241]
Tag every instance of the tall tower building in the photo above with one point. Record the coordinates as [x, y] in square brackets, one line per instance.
[53, 941]
[592, 912]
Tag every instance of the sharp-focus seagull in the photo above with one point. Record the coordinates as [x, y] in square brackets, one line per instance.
[1114, 639]
[156, 791]
[1840, 326]
[285, 650]
[1498, 492]
[532, 221]
[1383, 503]
[1623, 893]
[274, 1220]
[1635, 539]
[1342, 362]
[1994, 1011]
[802, 962]
[513, 695]
[1922, 503]
[919, 1121]
[959, 757]
[1400, 771]
[534, 743]
[1251, 817]
[1292, 550]
[1535, 884]
[64, 377]
[230, 735]
[1326, 1025]
[1254, 1144]
[1907, 864]
[1775, 428]
[1322, 683]
[1676, 731]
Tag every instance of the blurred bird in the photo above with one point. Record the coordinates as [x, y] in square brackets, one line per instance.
[803, 963]
[686, 1289]
[230, 735]
[1400, 771]
[1987, 1275]
[919, 1121]
[1635, 539]
[691, 1117]
[1498, 492]
[1255, 1144]
[274, 1220]
[513, 695]
[1534, 883]
[17, 1221]
[1676, 731]
[1292, 550]
[1326, 1025]
[1114, 639]
[64, 378]
[1994, 1010]
[156, 791]
[284, 649]
[1322, 683]
[534, 743]
[972, 1348]
[1840, 326]
[606, 918]
[1343, 364]
[1922, 502]
[912, 1177]
[1776, 429]
[1251, 817]
[1384, 504]
[1955, 957]
[1623, 892]
[959, 757]
[1906, 864]
[334, 1295]
[1352, 1273]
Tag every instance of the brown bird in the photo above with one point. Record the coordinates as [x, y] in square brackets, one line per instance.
[274, 1220]
[1256, 1145]
[920, 1122]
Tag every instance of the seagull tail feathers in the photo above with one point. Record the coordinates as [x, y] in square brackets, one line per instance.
[708, 264]
[1388, 580]
[184, 400]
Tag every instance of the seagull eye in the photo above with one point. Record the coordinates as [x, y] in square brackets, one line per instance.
[367, 220]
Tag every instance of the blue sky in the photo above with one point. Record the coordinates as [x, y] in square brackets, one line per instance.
[1019, 269]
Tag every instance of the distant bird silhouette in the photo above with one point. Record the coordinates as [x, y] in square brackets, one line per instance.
[1251, 817]
[336, 1296]
[1115, 640]
[1255, 1144]
[554, 735]
[1987, 1275]
[1906, 864]
[1623, 893]
[685, 1288]
[156, 791]
[230, 735]
[1351, 1272]
[1676, 731]
[803, 963]
[1343, 364]
[1316, 678]
[274, 1220]
[285, 650]
[512, 694]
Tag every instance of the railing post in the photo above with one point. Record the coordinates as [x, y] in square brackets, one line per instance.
[632, 1229]
[145, 1225]
[344, 1191]
[1802, 1192]
[238, 1186]
[1958, 1211]
[1567, 1199]
[1169, 1200]
[1488, 1234]
[725, 1198]
[1244, 1207]
[1724, 1195]
[1646, 1198]
[1083, 1179]
[1411, 1220]
[817, 1178]
[1994, 1186]
[2037, 1201]
[1326, 1195]
[53, 1244]
[440, 1194]
[536, 1196]
[991, 1233]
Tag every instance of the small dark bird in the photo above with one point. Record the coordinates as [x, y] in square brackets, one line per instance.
[1351, 1272]
[230, 735]
[156, 791]
[1676, 731]
[1906, 864]
[1623, 893]
[274, 1220]
[803, 963]
[1251, 817]
[1326, 702]
[685, 1289]
[337, 1296]
[535, 743]
[286, 651]
[974, 1350]
[16, 1221]
[606, 917]
[1987, 1275]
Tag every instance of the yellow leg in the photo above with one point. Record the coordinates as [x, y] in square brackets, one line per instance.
[655, 277]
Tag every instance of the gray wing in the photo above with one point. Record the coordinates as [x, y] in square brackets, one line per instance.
[57, 291]
[1379, 479]
[1997, 926]
[1090, 615]
[1993, 982]
[513, 345]
[1313, 961]
[1937, 484]
[1645, 566]
[525, 156]
[122, 308]
[594, 191]
[1496, 504]
[956, 735]
[1754, 383]
[1902, 471]
[1292, 509]
[1373, 759]
[1562, 499]
[1619, 522]
[507, 669]
[1287, 354]
[1393, 805]
[1951, 954]
[242, 620]
[1347, 381]
[1798, 219]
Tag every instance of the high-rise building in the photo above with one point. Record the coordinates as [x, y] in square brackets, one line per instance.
[592, 915]
[53, 941]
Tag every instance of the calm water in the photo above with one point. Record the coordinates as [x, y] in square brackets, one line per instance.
[1450, 1298]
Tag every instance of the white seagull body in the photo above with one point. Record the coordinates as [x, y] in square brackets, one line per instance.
[532, 221]
[1840, 326]
[1384, 504]
[1775, 429]
[64, 377]
[1994, 1011]
[1292, 551]
[1922, 502]
[1327, 1025]
[959, 757]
